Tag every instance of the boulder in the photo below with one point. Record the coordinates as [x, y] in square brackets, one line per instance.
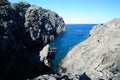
[24, 31]
[98, 56]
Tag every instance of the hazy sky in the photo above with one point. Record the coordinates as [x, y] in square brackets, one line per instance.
[81, 11]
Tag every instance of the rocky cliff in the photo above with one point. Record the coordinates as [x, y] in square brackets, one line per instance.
[24, 31]
[98, 57]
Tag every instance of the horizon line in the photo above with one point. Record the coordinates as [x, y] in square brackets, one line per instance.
[85, 23]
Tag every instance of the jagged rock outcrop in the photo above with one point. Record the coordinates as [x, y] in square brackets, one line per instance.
[4, 2]
[98, 56]
[24, 31]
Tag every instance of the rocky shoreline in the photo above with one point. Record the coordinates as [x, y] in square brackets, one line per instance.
[97, 58]
[26, 30]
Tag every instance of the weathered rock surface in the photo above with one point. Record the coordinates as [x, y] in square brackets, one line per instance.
[24, 31]
[55, 77]
[98, 56]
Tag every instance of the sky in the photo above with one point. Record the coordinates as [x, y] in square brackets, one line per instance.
[80, 11]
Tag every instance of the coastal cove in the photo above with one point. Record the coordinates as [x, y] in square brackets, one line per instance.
[36, 44]
[75, 34]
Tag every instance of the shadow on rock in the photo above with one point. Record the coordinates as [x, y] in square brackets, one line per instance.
[84, 77]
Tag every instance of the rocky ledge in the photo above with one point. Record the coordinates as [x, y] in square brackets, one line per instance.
[98, 57]
[24, 31]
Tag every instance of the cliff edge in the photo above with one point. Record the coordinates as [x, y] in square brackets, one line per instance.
[24, 31]
[98, 57]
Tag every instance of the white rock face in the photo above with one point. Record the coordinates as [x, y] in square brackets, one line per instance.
[99, 55]
[44, 54]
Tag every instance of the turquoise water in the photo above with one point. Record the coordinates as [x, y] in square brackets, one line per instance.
[75, 34]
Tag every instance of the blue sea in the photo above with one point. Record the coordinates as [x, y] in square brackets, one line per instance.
[75, 34]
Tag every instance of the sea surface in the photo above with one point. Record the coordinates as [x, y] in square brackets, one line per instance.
[75, 34]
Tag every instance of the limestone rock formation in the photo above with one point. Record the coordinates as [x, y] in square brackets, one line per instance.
[24, 31]
[98, 56]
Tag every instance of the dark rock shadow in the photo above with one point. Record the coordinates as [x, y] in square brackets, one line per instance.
[84, 77]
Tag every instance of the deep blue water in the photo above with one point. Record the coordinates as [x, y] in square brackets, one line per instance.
[75, 34]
